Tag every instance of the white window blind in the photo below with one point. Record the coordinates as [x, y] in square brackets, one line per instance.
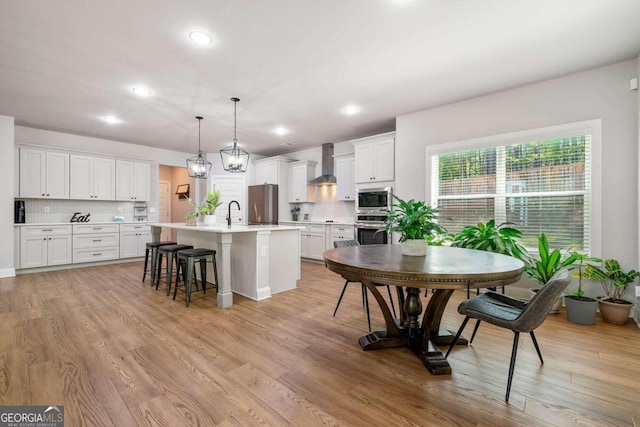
[540, 186]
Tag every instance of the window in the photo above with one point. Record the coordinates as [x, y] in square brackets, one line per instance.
[540, 180]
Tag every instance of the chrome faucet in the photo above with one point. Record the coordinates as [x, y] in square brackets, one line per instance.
[229, 212]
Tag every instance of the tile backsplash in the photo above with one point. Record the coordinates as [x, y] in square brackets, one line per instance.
[59, 211]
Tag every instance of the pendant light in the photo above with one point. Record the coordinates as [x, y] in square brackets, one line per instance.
[234, 159]
[197, 166]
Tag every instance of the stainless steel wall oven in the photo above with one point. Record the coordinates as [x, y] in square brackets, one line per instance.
[370, 217]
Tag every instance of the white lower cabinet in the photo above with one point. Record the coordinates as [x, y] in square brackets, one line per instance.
[133, 239]
[95, 242]
[312, 241]
[341, 232]
[44, 246]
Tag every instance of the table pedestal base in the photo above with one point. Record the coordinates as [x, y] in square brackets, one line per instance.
[420, 338]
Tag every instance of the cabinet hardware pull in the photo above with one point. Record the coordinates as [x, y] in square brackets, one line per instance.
[97, 240]
[97, 254]
[97, 228]
[47, 229]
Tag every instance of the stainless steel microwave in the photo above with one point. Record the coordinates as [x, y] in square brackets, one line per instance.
[373, 199]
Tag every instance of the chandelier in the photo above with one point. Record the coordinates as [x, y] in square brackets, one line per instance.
[198, 166]
[234, 159]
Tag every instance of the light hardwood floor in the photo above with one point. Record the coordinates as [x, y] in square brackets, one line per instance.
[116, 352]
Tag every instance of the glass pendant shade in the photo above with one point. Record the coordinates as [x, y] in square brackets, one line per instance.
[234, 159]
[198, 167]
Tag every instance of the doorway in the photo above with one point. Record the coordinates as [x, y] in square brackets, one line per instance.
[231, 188]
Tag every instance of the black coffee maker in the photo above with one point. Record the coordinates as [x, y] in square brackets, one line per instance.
[19, 215]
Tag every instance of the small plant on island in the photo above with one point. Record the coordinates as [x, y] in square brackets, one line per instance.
[208, 206]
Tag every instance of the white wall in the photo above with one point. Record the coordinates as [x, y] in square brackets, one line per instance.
[600, 93]
[6, 195]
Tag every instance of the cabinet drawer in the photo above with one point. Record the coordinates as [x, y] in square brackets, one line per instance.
[139, 228]
[99, 240]
[94, 228]
[96, 254]
[45, 230]
[314, 228]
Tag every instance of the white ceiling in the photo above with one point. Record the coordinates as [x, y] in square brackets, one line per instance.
[64, 64]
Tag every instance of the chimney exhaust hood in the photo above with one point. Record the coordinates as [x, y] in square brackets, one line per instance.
[327, 177]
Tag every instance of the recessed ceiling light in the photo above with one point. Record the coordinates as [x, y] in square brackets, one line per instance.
[281, 131]
[351, 109]
[111, 120]
[200, 37]
[141, 91]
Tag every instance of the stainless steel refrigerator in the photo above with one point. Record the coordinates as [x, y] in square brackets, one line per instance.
[263, 204]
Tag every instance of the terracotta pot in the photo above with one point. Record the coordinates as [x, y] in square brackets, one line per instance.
[415, 247]
[615, 312]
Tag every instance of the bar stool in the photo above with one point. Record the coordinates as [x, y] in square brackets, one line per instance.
[171, 252]
[186, 261]
[153, 248]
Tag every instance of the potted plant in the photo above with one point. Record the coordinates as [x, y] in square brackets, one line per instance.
[550, 262]
[581, 309]
[614, 283]
[415, 221]
[490, 237]
[207, 207]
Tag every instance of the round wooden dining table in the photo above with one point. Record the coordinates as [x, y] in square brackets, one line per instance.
[444, 269]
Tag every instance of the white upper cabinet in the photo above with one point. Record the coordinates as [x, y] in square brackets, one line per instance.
[345, 167]
[92, 178]
[271, 170]
[133, 181]
[374, 160]
[44, 174]
[300, 173]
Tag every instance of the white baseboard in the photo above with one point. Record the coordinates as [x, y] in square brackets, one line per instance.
[7, 272]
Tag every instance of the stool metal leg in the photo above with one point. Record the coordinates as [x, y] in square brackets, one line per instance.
[146, 264]
[159, 269]
[154, 256]
[190, 265]
[203, 274]
[170, 260]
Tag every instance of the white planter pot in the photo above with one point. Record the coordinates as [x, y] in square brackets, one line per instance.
[417, 247]
[210, 220]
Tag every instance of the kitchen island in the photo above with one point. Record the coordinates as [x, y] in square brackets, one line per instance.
[255, 261]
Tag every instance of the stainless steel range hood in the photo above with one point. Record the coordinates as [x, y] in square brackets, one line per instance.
[327, 177]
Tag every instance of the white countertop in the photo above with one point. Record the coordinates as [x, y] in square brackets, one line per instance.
[45, 224]
[303, 223]
[223, 228]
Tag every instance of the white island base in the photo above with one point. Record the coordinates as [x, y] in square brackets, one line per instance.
[255, 261]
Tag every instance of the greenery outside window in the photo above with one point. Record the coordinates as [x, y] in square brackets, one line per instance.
[540, 180]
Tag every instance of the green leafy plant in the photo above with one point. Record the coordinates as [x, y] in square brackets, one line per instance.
[614, 280]
[550, 262]
[490, 237]
[208, 205]
[413, 220]
[580, 273]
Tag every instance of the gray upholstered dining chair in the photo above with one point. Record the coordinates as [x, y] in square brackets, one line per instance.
[365, 298]
[509, 313]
